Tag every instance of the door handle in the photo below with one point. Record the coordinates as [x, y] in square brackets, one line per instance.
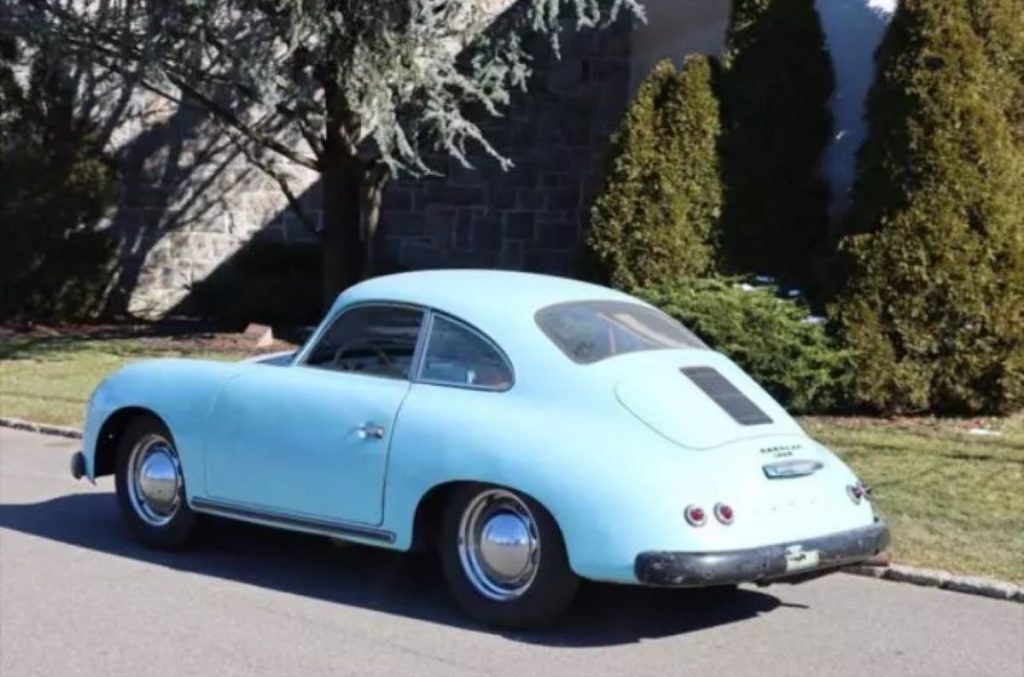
[370, 431]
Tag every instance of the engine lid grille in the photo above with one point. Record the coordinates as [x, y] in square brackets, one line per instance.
[726, 395]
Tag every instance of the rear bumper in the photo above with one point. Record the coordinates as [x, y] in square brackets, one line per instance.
[767, 563]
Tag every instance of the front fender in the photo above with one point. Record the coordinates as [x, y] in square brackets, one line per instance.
[177, 391]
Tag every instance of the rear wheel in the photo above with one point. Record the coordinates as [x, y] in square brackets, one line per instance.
[151, 487]
[504, 558]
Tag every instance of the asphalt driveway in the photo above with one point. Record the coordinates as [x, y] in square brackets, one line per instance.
[78, 597]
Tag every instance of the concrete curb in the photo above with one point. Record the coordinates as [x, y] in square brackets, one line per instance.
[933, 578]
[944, 580]
[44, 428]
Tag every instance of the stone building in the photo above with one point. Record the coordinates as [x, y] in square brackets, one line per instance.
[202, 232]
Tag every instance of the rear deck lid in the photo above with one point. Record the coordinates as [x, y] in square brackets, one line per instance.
[700, 399]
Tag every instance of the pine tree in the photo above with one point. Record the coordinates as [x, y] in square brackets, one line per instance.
[934, 303]
[655, 218]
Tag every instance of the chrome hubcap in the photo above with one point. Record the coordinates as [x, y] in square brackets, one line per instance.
[498, 545]
[154, 480]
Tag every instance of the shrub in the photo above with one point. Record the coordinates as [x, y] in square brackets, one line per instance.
[55, 184]
[934, 303]
[662, 196]
[773, 339]
[775, 88]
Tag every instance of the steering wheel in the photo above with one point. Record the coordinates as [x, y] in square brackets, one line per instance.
[381, 355]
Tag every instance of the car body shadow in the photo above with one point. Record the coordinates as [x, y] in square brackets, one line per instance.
[404, 584]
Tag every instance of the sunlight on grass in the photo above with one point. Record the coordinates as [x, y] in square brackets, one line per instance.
[954, 500]
[49, 380]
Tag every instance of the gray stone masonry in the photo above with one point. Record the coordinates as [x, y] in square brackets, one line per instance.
[189, 203]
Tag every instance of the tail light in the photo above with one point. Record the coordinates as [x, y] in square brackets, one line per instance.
[724, 513]
[695, 515]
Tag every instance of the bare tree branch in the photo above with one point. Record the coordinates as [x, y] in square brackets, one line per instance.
[243, 145]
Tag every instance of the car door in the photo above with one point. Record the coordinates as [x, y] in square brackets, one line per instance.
[312, 439]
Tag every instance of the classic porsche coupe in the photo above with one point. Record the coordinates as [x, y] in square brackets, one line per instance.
[533, 430]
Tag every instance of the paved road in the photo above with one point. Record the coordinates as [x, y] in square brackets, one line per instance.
[78, 597]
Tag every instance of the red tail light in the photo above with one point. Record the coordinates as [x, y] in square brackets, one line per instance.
[724, 513]
[695, 515]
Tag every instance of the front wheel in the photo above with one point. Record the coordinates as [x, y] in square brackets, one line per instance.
[504, 558]
[151, 487]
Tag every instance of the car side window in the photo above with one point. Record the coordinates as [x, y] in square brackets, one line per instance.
[374, 340]
[459, 356]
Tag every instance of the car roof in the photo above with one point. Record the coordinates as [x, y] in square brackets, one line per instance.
[483, 297]
[501, 304]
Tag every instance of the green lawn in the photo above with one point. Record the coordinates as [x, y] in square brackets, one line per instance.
[49, 379]
[955, 500]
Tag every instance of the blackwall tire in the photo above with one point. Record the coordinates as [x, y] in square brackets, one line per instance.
[504, 558]
[151, 487]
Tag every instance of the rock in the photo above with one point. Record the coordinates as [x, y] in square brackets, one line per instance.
[988, 587]
[928, 577]
[863, 570]
[937, 578]
[259, 335]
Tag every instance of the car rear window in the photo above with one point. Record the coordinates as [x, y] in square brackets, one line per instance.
[590, 331]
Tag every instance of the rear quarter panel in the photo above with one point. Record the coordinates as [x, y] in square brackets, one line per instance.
[615, 487]
[577, 462]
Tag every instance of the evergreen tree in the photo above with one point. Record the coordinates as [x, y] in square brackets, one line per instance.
[1000, 24]
[654, 219]
[56, 184]
[776, 83]
[934, 302]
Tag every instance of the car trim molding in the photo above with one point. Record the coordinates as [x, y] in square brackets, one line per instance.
[310, 524]
[424, 348]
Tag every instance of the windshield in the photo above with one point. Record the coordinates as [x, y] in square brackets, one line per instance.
[590, 331]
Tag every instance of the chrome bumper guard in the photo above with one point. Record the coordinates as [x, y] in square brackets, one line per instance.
[779, 562]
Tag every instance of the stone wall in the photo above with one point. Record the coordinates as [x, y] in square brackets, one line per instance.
[530, 217]
[187, 203]
[190, 205]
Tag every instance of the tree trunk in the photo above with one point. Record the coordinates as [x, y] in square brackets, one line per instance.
[373, 196]
[343, 253]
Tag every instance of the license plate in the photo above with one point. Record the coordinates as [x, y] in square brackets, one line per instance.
[798, 559]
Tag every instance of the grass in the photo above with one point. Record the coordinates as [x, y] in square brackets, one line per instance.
[954, 500]
[49, 379]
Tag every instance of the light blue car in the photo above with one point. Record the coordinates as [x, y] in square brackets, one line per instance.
[533, 430]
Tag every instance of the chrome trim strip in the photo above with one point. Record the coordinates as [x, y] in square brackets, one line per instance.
[473, 330]
[420, 354]
[318, 526]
